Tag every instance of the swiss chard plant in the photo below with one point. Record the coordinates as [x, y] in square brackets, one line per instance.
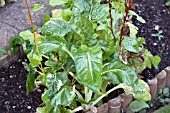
[81, 50]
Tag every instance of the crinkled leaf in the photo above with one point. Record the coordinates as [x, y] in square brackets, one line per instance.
[27, 35]
[82, 26]
[53, 82]
[66, 14]
[56, 28]
[58, 2]
[30, 83]
[63, 97]
[57, 13]
[138, 105]
[53, 64]
[88, 62]
[34, 59]
[119, 73]
[82, 5]
[130, 44]
[48, 47]
[133, 29]
[99, 12]
[139, 18]
[141, 91]
[37, 7]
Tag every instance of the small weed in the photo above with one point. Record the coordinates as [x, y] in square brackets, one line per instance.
[167, 3]
[159, 34]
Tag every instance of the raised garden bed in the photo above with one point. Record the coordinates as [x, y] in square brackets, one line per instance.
[113, 105]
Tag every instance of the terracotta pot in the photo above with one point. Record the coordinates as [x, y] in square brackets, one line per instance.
[153, 87]
[126, 100]
[161, 80]
[168, 76]
[115, 105]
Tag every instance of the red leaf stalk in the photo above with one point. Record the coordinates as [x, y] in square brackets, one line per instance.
[111, 20]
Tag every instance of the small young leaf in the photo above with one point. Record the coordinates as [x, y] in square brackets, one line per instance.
[57, 2]
[37, 7]
[57, 13]
[166, 90]
[34, 59]
[15, 43]
[2, 51]
[27, 35]
[155, 61]
[139, 18]
[137, 105]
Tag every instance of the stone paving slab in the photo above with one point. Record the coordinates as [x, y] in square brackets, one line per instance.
[13, 19]
[5, 32]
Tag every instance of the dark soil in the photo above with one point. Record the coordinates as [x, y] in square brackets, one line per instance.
[13, 97]
[155, 12]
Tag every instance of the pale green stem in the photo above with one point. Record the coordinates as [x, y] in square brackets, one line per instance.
[77, 109]
[104, 95]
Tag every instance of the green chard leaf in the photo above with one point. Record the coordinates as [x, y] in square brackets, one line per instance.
[119, 73]
[138, 105]
[155, 61]
[30, 83]
[48, 47]
[34, 59]
[56, 28]
[55, 81]
[141, 91]
[139, 18]
[99, 12]
[63, 97]
[131, 44]
[27, 36]
[82, 26]
[88, 62]
[15, 43]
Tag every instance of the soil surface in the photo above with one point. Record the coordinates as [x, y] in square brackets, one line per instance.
[155, 12]
[13, 97]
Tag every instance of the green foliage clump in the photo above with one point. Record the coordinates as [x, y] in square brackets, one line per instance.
[81, 50]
